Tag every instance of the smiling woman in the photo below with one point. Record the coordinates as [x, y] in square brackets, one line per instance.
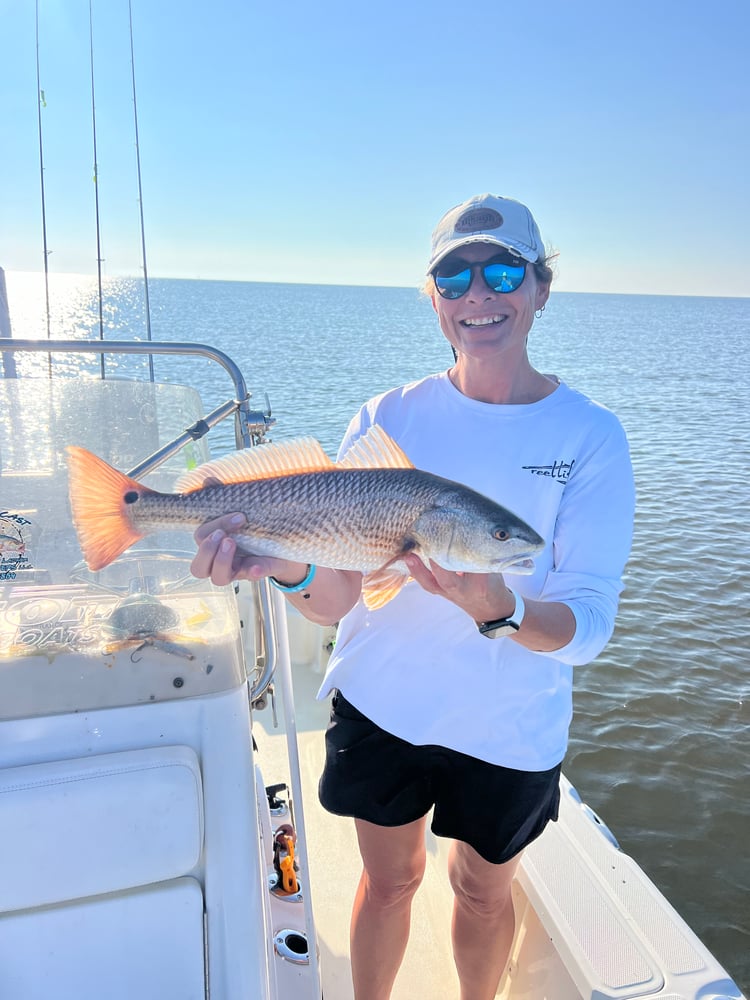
[487, 278]
[490, 321]
[486, 299]
[498, 736]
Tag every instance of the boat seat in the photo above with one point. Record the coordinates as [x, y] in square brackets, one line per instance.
[96, 855]
[145, 943]
[120, 820]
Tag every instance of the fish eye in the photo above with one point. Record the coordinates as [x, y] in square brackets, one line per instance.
[501, 535]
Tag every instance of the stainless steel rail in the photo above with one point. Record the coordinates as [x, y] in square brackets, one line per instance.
[270, 648]
[250, 425]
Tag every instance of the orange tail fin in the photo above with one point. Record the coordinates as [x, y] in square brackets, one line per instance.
[100, 512]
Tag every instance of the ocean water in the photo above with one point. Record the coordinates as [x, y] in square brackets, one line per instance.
[660, 744]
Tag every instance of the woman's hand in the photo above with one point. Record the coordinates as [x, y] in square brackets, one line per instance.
[483, 596]
[332, 593]
[219, 559]
[547, 625]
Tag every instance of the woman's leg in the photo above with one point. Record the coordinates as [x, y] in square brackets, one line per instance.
[394, 863]
[483, 920]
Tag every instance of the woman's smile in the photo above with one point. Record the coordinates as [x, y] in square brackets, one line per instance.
[482, 320]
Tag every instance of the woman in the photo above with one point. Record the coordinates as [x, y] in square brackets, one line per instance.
[457, 695]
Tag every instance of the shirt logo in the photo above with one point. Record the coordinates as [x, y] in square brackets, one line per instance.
[559, 471]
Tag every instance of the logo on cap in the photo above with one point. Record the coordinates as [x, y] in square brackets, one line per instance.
[478, 219]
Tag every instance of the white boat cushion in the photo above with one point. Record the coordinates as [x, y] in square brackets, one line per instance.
[92, 825]
[144, 944]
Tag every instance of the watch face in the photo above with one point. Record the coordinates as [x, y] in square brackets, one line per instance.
[493, 630]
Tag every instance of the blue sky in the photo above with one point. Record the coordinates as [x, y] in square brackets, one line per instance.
[320, 142]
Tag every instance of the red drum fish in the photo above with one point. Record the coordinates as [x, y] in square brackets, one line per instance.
[364, 512]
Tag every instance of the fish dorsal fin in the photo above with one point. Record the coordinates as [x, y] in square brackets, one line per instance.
[375, 450]
[266, 461]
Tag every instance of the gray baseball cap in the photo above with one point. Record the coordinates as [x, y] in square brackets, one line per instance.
[487, 218]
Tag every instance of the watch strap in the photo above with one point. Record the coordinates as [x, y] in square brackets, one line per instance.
[505, 626]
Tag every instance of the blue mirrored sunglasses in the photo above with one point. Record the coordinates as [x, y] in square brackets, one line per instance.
[502, 274]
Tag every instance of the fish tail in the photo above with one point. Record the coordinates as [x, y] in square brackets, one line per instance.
[101, 514]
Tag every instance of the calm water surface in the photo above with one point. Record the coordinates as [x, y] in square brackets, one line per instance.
[660, 741]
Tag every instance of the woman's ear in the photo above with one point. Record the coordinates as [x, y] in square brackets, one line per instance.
[542, 294]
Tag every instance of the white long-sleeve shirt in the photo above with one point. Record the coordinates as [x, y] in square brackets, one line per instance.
[418, 667]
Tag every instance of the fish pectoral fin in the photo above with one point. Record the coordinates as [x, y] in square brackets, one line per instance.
[380, 587]
[267, 461]
[374, 450]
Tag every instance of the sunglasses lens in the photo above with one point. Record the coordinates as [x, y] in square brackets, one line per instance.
[504, 277]
[500, 275]
[453, 286]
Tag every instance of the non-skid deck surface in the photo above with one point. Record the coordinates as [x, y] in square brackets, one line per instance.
[428, 969]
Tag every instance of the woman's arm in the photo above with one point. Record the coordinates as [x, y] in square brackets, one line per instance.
[573, 612]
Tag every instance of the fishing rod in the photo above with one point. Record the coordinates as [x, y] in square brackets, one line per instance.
[40, 104]
[140, 194]
[96, 183]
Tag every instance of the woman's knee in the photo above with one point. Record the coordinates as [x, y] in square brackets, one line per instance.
[478, 885]
[394, 861]
[390, 889]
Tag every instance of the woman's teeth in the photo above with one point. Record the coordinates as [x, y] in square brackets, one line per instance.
[483, 321]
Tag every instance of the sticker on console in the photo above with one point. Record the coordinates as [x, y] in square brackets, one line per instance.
[14, 540]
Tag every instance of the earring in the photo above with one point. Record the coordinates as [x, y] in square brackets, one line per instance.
[538, 313]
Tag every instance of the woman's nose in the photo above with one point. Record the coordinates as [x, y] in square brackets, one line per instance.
[479, 289]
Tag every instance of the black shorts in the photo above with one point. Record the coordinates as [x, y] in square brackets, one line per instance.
[372, 775]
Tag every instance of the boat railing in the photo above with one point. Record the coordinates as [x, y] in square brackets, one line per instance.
[250, 425]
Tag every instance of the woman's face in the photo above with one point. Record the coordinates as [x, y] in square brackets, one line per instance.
[483, 323]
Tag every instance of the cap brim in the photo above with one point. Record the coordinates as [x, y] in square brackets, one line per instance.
[529, 255]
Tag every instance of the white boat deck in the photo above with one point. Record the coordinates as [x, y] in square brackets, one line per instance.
[590, 922]
[428, 969]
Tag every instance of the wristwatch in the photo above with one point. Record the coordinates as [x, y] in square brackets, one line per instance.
[505, 626]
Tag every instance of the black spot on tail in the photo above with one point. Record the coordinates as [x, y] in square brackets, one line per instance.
[131, 496]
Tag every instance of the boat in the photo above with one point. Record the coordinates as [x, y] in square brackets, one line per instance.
[160, 744]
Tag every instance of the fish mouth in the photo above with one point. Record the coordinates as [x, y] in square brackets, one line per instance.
[522, 567]
[522, 564]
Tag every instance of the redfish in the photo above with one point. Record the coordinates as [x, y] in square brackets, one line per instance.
[364, 512]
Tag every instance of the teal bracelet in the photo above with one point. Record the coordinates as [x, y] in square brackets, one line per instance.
[295, 588]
